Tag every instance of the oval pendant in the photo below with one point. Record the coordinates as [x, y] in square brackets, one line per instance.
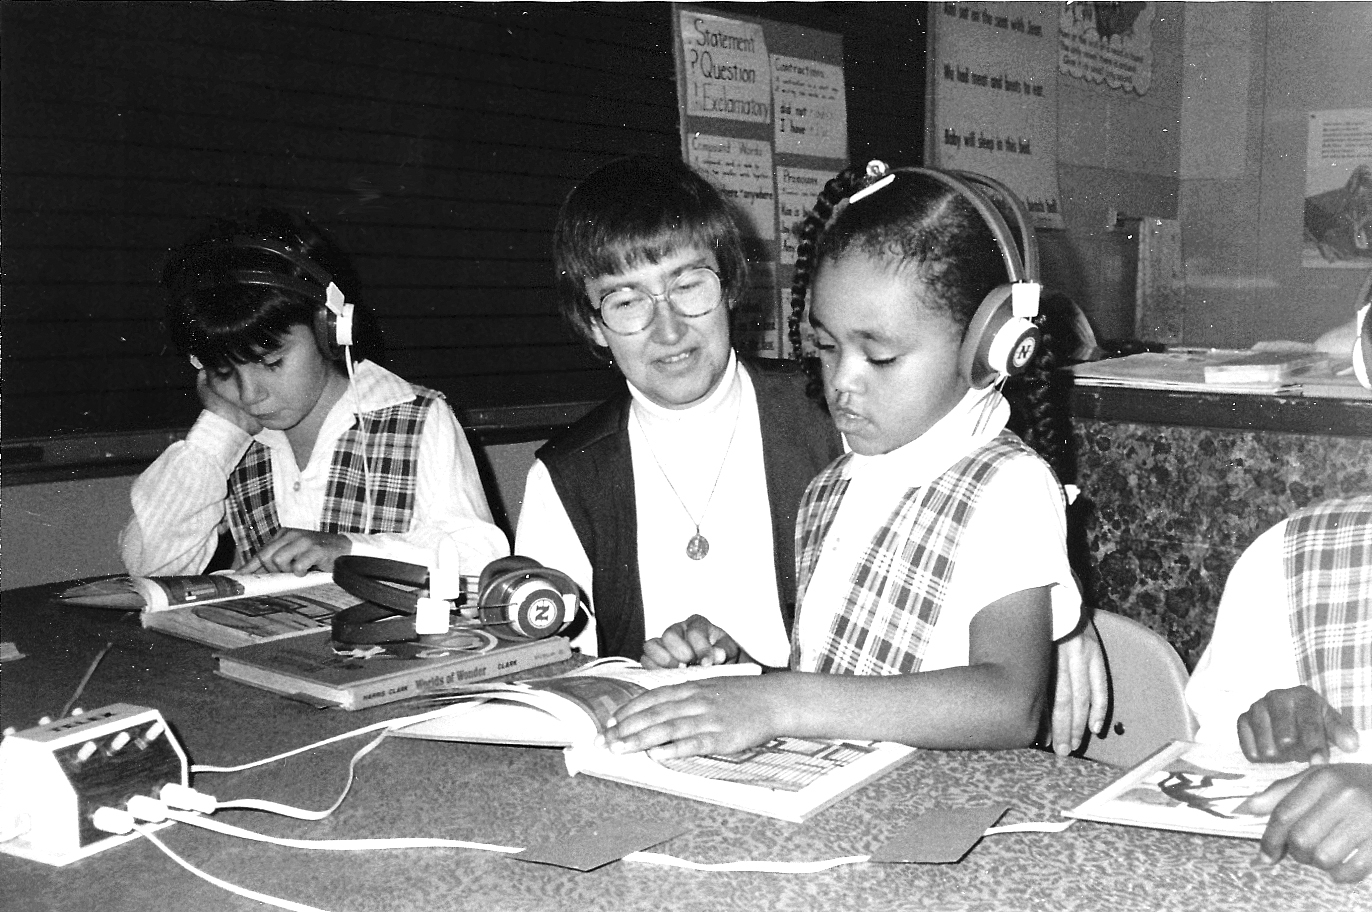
[697, 547]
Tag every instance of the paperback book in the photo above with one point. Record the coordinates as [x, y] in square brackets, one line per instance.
[1195, 788]
[786, 778]
[224, 610]
[311, 668]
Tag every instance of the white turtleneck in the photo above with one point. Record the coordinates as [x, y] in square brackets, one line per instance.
[735, 584]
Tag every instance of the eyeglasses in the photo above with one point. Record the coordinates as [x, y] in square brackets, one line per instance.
[631, 309]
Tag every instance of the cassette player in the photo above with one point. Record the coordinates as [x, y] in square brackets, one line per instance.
[55, 776]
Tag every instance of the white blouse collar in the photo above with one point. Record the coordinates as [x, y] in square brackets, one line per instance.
[978, 417]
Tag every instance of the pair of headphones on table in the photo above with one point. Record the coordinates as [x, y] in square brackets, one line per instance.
[1001, 338]
[517, 593]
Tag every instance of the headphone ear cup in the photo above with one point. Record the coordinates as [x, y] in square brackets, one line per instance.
[538, 610]
[997, 344]
[535, 601]
[326, 334]
[501, 570]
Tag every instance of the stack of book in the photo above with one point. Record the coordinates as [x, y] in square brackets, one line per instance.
[1258, 372]
[274, 631]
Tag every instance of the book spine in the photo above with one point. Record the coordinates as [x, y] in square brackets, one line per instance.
[478, 668]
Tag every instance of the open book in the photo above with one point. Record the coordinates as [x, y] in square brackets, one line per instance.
[1195, 788]
[223, 610]
[787, 778]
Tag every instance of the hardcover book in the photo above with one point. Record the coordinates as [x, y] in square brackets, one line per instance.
[310, 668]
[786, 778]
[1195, 788]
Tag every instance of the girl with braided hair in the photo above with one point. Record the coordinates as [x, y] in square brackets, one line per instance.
[916, 622]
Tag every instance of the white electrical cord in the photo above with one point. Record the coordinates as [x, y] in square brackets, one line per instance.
[224, 884]
[362, 442]
[184, 800]
[366, 729]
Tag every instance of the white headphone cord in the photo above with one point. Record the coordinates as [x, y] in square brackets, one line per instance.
[362, 442]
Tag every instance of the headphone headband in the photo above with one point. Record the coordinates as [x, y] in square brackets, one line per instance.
[1001, 338]
[369, 578]
[1029, 253]
[995, 221]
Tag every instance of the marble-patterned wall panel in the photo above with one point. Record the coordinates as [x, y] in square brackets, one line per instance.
[1165, 511]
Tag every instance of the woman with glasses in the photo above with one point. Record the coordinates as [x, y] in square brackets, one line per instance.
[679, 494]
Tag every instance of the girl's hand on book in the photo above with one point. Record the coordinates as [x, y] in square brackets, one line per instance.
[710, 716]
[1320, 817]
[1294, 724]
[298, 551]
[694, 641]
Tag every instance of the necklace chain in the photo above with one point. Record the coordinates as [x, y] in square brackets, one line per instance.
[698, 546]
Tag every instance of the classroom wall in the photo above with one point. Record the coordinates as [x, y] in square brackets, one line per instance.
[1217, 142]
[1253, 73]
[1118, 152]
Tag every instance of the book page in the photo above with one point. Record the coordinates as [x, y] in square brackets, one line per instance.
[786, 764]
[163, 592]
[787, 778]
[269, 616]
[1196, 788]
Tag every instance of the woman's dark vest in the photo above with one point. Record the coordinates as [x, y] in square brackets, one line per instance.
[592, 472]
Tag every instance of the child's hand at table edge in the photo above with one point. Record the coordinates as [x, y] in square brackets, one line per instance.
[1294, 724]
[298, 551]
[1321, 816]
[709, 716]
[694, 641]
[1082, 694]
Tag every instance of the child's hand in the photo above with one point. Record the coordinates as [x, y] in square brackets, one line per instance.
[1320, 817]
[710, 716]
[694, 641]
[1295, 724]
[213, 402]
[1082, 693]
[298, 551]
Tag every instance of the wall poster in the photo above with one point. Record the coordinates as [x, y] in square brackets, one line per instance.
[1338, 190]
[993, 97]
[1111, 43]
[764, 118]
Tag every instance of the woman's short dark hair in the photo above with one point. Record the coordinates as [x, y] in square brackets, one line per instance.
[639, 210]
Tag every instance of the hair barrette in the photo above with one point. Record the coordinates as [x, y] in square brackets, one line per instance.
[879, 174]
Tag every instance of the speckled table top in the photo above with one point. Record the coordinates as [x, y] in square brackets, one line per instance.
[520, 796]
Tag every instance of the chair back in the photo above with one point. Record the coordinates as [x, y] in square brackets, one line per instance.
[1147, 693]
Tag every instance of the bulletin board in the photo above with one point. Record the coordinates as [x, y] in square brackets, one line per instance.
[993, 97]
[764, 118]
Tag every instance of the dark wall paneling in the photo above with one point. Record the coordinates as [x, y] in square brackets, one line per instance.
[433, 141]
